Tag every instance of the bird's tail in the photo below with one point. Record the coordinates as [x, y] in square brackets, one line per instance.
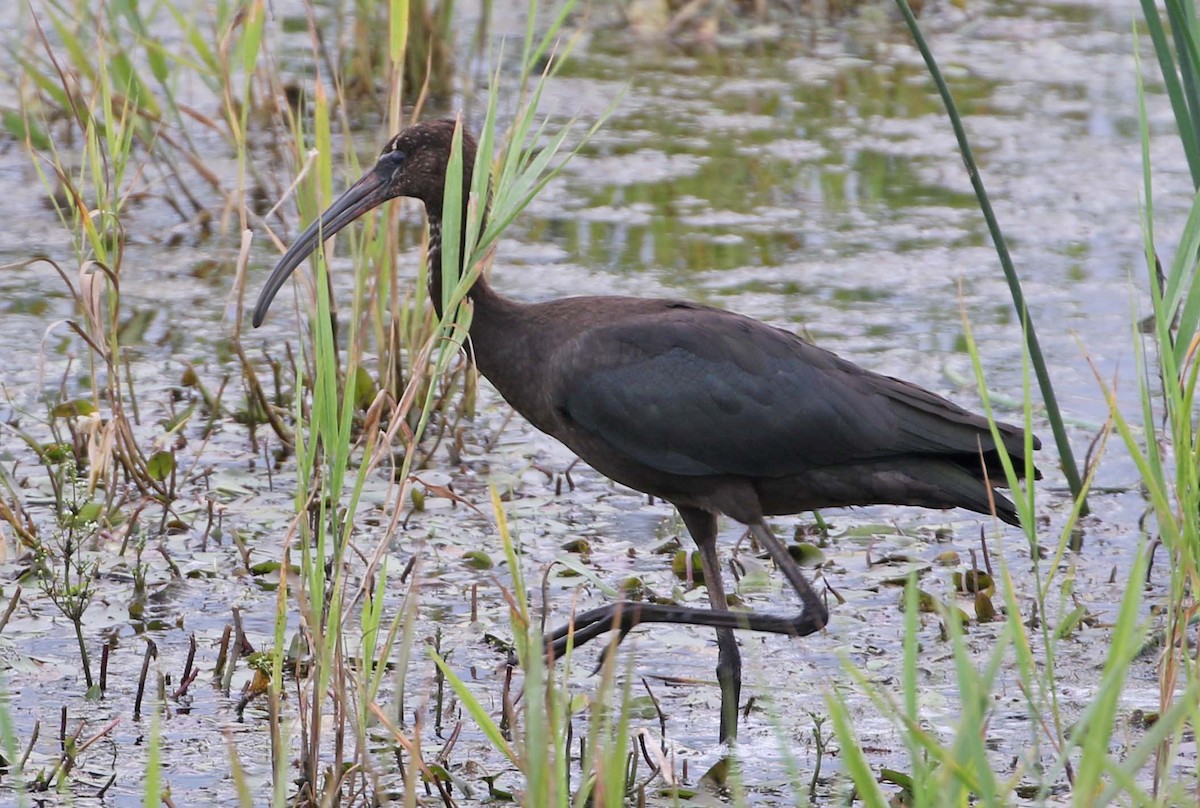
[928, 482]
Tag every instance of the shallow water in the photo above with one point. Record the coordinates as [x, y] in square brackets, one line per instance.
[807, 177]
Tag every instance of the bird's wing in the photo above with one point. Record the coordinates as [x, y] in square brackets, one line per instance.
[702, 392]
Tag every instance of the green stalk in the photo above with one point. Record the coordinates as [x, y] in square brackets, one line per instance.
[1185, 113]
[12, 752]
[1066, 457]
[866, 785]
[1174, 494]
[152, 791]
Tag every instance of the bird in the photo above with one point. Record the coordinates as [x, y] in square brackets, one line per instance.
[712, 411]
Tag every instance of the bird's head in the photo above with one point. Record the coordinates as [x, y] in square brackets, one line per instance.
[412, 164]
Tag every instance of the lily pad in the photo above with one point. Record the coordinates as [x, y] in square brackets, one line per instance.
[679, 565]
[806, 555]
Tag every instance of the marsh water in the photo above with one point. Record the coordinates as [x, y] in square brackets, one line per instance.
[802, 173]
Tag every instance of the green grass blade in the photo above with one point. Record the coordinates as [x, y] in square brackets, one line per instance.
[1094, 730]
[152, 792]
[1182, 18]
[853, 760]
[1053, 414]
[476, 710]
[1175, 91]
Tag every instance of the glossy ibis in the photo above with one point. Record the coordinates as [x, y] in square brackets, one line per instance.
[712, 411]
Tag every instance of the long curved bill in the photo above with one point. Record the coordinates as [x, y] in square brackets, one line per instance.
[367, 193]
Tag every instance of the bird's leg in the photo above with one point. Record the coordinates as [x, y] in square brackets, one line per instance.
[625, 615]
[703, 527]
[814, 615]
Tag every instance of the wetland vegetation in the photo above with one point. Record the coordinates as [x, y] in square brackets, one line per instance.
[293, 565]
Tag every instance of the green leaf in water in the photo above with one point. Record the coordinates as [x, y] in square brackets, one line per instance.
[74, 408]
[364, 388]
[806, 555]
[90, 512]
[985, 611]
[56, 452]
[580, 546]
[161, 465]
[478, 559]
[679, 565]
[974, 581]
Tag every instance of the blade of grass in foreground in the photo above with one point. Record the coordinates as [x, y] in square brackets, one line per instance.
[324, 455]
[479, 714]
[153, 772]
[867, 788]
[1185, 113]
[12, 752]
[1093, 732]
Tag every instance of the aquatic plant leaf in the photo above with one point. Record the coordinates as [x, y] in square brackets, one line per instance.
[985, 611]
[364, 388]
[1070, 622]
[75, 408]
[806, 555]
[161, 465]
[680, 563]
[89, 512]
[478, 559]
[581, 570]
[580, 546]
[974, 581]
[179, 419]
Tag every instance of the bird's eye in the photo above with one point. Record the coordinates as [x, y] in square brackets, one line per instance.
[391, 163]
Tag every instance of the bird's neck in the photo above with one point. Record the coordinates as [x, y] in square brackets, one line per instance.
[500, 332]
[480, 291]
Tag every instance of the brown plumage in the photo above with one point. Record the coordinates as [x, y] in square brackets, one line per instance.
[707, 409]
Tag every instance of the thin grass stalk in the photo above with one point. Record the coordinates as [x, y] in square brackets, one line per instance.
[250, 46]
[1041, 691]
[1094, 730]
[1175, 496]
[1066, 456]
[948, 775]
[391, 319]
[1185, 113]
[109, 122]
[325, 595]
[785, 744]
[1037, 685]
[607, 744]
[11, 746]
[280, 740]
[918, 767]
[1163, 733]
[954, 776]
[237, 774]
[974, 690]
[866, 786]
[1182, 16]
[537, 726]
[323, 464]
[152, 792]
